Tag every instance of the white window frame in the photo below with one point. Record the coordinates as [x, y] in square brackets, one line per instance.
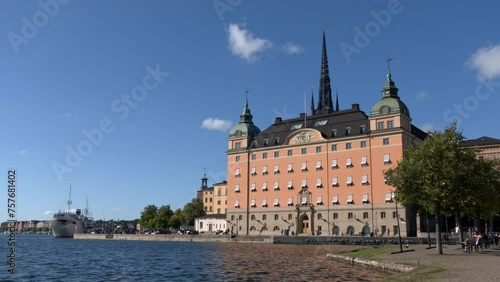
[264, 202]
[335, 163]
[253, 203]
[348, 162]
[264, 169]
[253, 187]
[237, 188]
[388, 197]
[318, 182]
[276, 185]
[335, 199]
[290, 201]
[387, 159]
[290, 184]
[253, 171]
[303, 166]
[364, 160]
[349, 180]
[264, 186]
[236, 203]
[335, 181]
[349, 199]
[290, 167]
[364, 179]
[365, 198]
[318, 164]
[304, 183]
[237, 172]
[303, 200]
[276, 168]
[276, 202]
[319, 200]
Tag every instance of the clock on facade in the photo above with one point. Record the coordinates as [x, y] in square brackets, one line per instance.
[385, 110]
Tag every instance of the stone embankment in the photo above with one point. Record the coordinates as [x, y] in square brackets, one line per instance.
[383, 266]
[175, 238]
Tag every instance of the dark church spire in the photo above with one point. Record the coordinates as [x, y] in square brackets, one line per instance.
[325, 92]
[312, 101]
[204, 180]
[337, 102]
[390, 89]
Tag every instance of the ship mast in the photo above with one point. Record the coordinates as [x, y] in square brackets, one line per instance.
[69, 199]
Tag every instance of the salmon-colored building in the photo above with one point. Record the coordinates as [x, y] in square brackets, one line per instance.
[321, 173]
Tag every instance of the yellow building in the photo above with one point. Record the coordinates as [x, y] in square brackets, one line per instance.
[322, 173]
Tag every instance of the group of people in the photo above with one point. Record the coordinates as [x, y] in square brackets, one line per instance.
[478, 241]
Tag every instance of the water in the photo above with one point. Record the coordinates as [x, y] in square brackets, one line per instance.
[44, 258]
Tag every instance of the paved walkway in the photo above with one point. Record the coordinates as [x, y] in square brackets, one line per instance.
[460, 266]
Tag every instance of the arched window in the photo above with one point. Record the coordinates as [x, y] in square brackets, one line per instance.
[276, 217]
[320, 216]
[276, 228]
[264, 228]
[252, 228]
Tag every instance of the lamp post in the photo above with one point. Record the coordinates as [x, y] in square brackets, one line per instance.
[399, 232]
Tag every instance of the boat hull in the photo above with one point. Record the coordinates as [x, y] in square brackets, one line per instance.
[64, 231]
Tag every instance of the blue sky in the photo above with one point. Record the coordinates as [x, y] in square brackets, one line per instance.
[145, 92]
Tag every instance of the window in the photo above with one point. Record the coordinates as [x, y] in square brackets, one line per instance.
[349, 199]
[264, 170]
[390, 124]
[276, 203]
[382, 215]
[264, 205]
[219, 192]
[290, 168]
[318, 182]
[276, 185]
[264, 156]
[350, 215]
[335, 199]
[380, 125]
[303, 167]
[240, 217]
[276, 141]
[320, 216]
[362, 144]
[237, 203]
[387, 159]
[304, 183]
[321, 122]
[334, 147]
[365, 215]
[388, 197]
[363, 129]
[252, 217]
[347, 131]
[232, 217]
[348, 146]
[237, 173]
[348, 163]
[304, 200]
[251, 228]
[296, 126]
[335, 215]
[276, 217]
[237, 158]
[364, 161]
[386, 141]
[303, 151]
[290, 184]
[254, 157]
[335, 181]
[266, 142]
[334, 133]
[349, 180]
[252, 203]
[264, 186]
[276, 169]
[364, 179]
[289, 216]
[318, 149]
[237, 145]
[365, 198]
[318, 165]
[253, 187]
[319, 200]
[290, 201]
[277, 154]
[289, 153]
[394, 215]
[335, 164]
[218, 202]
[253, 171]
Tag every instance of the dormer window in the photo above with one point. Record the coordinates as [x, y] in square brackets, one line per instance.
[348, 131]
[266, 142]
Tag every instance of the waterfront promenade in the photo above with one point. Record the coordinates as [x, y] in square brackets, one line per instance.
[453, 265]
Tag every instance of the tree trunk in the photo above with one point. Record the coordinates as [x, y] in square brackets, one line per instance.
[457, 224]
[439, 245]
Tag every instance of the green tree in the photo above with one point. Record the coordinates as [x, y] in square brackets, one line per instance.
[149, 217]
[192, 210]
[163, 217]
[439, 176]
[176, 219]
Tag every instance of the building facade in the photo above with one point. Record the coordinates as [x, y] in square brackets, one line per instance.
[488, 148]
[213, 223]
[321, 173]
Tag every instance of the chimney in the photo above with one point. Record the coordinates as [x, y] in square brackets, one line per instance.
[277, 120]
[355, 107]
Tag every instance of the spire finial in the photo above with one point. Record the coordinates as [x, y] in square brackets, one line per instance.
[324, 92]
[388, 60]
[204, 172]
[337, 101]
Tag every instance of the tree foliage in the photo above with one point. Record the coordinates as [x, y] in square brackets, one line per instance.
[442, 178]
[191, 211]
[149, 216]
[163, 217]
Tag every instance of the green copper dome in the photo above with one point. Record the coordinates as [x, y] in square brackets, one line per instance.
[246, 126]
[390, 102]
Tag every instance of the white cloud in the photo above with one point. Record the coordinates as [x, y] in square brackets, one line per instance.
[22, 152]
[428, 127]
[486, 61]
[292, 49]
[421, 95]
[243, 44]
[48, 212]
[216, 124]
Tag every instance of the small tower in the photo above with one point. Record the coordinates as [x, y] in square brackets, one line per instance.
[244, 132]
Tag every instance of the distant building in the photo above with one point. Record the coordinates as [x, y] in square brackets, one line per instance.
[211, 223]
[489, 148]
[205, 194]
[321, 173]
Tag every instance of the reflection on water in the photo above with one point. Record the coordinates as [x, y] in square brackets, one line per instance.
[265, 262]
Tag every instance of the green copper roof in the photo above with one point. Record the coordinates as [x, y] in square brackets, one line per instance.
[390, 102]
[246, 126]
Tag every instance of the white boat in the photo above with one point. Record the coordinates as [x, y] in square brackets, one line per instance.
[66, 224]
